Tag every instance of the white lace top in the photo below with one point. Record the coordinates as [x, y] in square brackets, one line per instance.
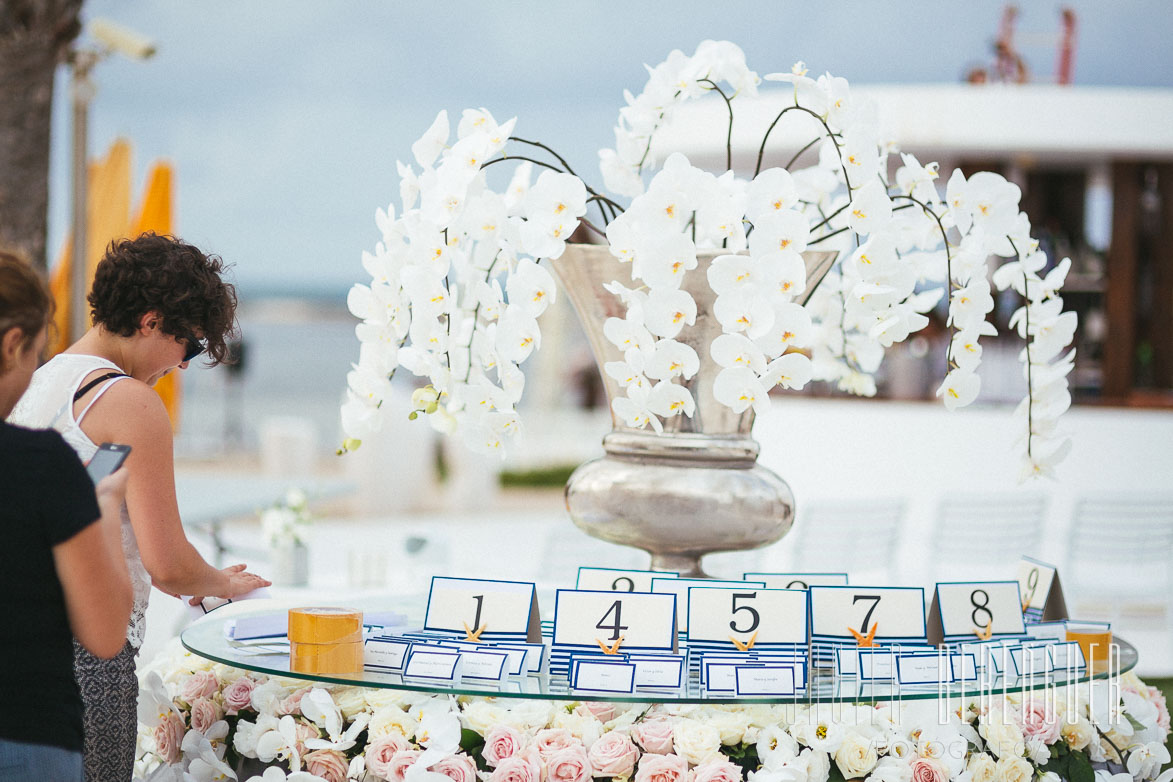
[48, 403]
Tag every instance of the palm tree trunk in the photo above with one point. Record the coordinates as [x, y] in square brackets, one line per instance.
[34, 37]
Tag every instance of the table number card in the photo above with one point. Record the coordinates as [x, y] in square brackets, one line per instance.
[728, 616]
[982, 609]
[863, 616]
[681, 586]
[797, 580]
[483, 610]
[1042, 593]
[615, 580]
[611, 622]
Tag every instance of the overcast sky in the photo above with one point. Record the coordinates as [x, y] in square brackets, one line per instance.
[284, 118]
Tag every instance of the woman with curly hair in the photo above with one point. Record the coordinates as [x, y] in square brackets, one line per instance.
[156, 304]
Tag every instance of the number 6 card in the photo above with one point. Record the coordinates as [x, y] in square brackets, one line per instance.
[615, 622]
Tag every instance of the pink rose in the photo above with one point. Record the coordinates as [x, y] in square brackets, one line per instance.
[238, 695]
[201, 684]
[458, 768]
[613, 755]
[329, 764]
[717, 770]
[568, 765]
[169, 736]
[522, 767]
[397, 767]
[929, 770]
[662, 768]
[1039, 721]
[291, 704]
[204, 714]
[551, 740]
[305, 731]
[654, 735]
[1157, 698]
[603, 712]
[501, 742]
[381, 751]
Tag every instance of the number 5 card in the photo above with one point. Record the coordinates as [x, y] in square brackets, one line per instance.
[763, 616]
[615, 622]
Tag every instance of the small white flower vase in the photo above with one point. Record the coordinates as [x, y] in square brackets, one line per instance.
[290, 565]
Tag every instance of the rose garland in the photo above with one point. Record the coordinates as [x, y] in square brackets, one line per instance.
[198, 719]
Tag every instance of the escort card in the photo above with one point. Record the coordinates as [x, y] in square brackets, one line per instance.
[619, 621]
[1030, 660]
[616, 580]
[515, 665]
[385, 654]
[876, 664]
[681, 586]
[592, 676]
[797, 580]
[923, 668]
[534, 655]
[483, 610]
[1066, 656]
[963, 667]
[484, 666]
[737, 615]
[985, 609]
[434, 665]
[767, 679]
[1053, 631]
[658, 672]
[853, 614]
[1042, 593]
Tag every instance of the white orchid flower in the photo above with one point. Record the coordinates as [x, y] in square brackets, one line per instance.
[432, 143]
[780, 231]
[875, 258]
[518, 335]
[275, 774]
[785, 272]
[154, 704]
[792, 328]
[739, 388]
[747, 313]
[247, 734]
[555, 197]
[672, 359]
[545, 236]
[668, 310]
[530, 288]
[918, 181]
[959, 388]
[771, 192]
[668, 399]
[627, 334]
[895, 323]
[731, 274]
[870, 209]
[519, 185]
[633, 410]
[619, 176]
[790, 371]
[624, 373]
[969, 306]
[736, 350]
[664, 264]
[993, 202]
[343, 741]
[280, 744]
[204, 763]
[965, 349]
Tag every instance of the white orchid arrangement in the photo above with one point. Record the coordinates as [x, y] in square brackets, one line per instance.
[198, 719]
[456, 287]
[287, 521]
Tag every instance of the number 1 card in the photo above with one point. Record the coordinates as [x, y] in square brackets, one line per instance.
[484, 610]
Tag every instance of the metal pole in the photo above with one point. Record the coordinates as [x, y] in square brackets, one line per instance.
[83, 91]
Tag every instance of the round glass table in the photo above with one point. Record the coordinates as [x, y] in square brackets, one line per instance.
[207, 639]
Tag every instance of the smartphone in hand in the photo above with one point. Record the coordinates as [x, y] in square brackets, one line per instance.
[108, 458]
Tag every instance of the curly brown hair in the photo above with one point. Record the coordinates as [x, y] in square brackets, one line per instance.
[162, 274]
[25, 302]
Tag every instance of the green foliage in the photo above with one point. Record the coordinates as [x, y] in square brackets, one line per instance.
[744, 755]
[473, 743]
[1073, 766]
[548, 477]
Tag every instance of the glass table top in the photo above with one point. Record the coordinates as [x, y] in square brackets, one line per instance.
[207, 639]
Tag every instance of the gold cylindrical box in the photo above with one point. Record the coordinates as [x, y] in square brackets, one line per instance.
[325, 640]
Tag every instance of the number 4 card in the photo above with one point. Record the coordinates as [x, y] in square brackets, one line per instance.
[985, 609]
[484, 610]
[614, 622]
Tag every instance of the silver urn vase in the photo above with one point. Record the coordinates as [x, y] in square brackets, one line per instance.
[696, 488]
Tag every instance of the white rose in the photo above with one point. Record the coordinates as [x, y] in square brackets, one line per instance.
[481, 715]
[856, 756]
[625, 719]
[391, 719]
[1011, 769]
[695, 741]
[818, 765]
[378, 697]
[1078, 733]
[530, 716]
[893, 770]
[350, 701]
[730, 723]
[247, 733]
[587, 728]
[981, 767]
[1002, 735]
